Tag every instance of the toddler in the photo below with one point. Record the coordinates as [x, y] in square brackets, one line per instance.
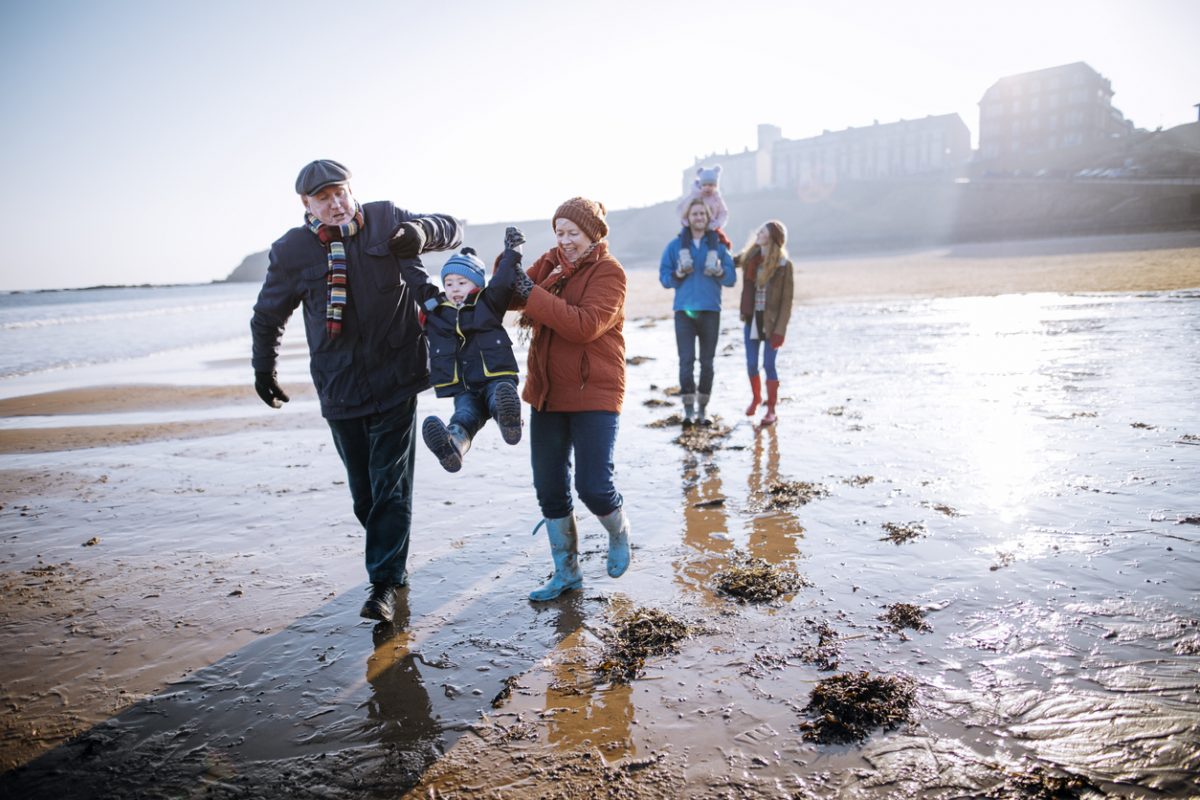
[470, 354]
[705, 187]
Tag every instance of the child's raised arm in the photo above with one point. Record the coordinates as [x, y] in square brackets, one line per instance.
[413, 273]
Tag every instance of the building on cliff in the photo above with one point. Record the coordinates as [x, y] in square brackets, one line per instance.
[1026, 119]
[934, 145]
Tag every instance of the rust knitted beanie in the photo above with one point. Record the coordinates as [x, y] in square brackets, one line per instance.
[587, 214]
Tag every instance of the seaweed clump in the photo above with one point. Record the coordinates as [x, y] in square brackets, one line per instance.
[827, 651]
[847, 707]
[703, 438]
[905, 615]
[1038, 783]
[782, 495]
[644, 633]
[655, 402]
[667, 422]
[858, 480]
[898, 533]
[755, 580]
[505, 691]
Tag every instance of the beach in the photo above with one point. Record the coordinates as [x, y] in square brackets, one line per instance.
[182, 571]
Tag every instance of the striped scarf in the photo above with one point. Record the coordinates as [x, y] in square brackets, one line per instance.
[335, 251]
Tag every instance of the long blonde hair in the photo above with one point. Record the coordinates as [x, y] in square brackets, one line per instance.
[775, 254]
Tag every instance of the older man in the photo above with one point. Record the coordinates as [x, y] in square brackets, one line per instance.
[348, 264]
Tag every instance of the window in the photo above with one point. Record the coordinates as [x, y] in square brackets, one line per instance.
[1016, 106]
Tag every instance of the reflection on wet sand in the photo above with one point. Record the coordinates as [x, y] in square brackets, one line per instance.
[706, 525]
[773, 534]
[577, 710]
[705, 528]
[559, 703]
[399, 710]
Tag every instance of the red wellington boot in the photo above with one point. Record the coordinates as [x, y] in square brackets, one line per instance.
[756, 390]
[772, 398]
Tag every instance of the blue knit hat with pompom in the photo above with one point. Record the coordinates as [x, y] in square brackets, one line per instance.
[467, 264]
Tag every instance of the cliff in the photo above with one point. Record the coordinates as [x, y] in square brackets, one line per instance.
[1149, 183]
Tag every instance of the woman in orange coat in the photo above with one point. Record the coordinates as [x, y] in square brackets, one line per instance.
[574, 305]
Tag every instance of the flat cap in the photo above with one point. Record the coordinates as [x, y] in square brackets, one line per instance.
[319, 174]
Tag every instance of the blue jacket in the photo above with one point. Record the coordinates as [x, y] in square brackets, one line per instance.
[696, 292]
[468, 345]
[381, 357]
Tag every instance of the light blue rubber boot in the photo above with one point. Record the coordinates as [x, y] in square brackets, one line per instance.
[617, 525]
[564, 548]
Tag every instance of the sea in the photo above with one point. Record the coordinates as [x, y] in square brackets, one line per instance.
[49, 330]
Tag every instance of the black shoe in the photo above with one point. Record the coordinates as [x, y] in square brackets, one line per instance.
[437, 439]
[381, 605]
[508, 412]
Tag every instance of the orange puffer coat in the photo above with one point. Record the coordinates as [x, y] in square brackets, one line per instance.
[577, 353]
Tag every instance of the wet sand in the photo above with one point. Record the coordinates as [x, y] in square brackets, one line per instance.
[181, 594]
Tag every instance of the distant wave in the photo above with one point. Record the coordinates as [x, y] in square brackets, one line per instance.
[122, 315]
[34, 368]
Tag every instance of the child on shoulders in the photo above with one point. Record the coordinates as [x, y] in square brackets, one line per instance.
[706, 188]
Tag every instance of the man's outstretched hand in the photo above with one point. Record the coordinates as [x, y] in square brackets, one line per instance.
[267, 386]
[408, 241]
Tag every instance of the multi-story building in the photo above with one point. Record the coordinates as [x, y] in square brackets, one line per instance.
[1024, 120]
[933, 145]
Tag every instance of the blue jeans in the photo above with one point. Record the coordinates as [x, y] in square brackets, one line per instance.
[474, 407]
[690, 326]
[752, 356]
[592, 435]
[379, 451]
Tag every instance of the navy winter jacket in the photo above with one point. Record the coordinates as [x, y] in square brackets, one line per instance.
[381, 357]
[468, 345]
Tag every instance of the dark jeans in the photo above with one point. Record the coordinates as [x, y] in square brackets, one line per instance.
[752, 355]
[592, 435]
[690, 326]
[378, 451]
[474, 407]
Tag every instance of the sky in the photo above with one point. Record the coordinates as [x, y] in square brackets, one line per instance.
[159, 142]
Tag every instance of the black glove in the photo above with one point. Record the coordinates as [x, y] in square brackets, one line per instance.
[267, 386]
[513, 238]
[522, 283]
[408, 241]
